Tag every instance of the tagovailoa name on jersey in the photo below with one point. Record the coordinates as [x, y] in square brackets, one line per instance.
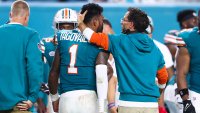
[72, 37]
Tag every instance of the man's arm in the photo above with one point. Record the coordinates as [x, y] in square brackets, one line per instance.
[41, 106]
[54, 74]
[162, 78]
[182, 61]
[112, 89]
[53, 80]
[172, 48]
[112, 84]
[102, 79]
[110, 71]
[33, 67]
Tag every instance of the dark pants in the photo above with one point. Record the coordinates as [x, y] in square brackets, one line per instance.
[14, 110]
[5, 111]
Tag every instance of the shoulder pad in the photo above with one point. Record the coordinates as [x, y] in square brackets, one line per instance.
[173, 32]
[186, 30]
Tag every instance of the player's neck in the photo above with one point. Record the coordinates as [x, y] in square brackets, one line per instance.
[18, 20]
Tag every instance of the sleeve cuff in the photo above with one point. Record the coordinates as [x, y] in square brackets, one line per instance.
[161, 86]
[88, 33]
[32, 99]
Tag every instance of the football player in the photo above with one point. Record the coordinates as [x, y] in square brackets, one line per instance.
[75, 61]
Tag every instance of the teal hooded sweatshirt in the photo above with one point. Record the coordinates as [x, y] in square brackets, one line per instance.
[137, 61]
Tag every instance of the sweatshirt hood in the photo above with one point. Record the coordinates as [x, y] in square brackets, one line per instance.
[142, 42]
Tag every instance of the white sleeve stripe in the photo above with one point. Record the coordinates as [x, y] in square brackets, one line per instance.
[180, 42]
[174, 39]
[170, 36]
[88, 33]
[41, 48]
[41, 42]
[179, 38]
[171, 40]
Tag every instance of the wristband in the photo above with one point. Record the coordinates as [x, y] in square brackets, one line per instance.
[110, 105]
[183, 92]
[54, 97]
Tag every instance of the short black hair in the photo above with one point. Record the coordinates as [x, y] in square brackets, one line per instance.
[107, 22]
[92, 11]
[139, 19]
[185, 15]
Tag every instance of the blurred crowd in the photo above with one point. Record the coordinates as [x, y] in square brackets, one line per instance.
[123, 1]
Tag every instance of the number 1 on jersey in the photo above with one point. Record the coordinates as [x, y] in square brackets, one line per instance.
[73, 51]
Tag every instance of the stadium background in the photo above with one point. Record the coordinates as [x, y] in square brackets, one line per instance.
[42, 13]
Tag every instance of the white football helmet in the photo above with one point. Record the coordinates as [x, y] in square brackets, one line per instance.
[65, 15]
[148, 29]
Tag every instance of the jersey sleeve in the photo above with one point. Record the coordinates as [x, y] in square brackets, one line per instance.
[183, 37]
[180, 42]
[41, 46]
[107, 42]
[162, 77]
[99, 39]
[170, 37]
[58, 39]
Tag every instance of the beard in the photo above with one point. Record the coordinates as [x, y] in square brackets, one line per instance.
[192, 25]
[126, 31]
[100, 29]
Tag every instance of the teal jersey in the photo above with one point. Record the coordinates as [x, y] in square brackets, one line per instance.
[191, 38]
[77, 66]
[137, 61]
[48, 49]
[20, 66]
